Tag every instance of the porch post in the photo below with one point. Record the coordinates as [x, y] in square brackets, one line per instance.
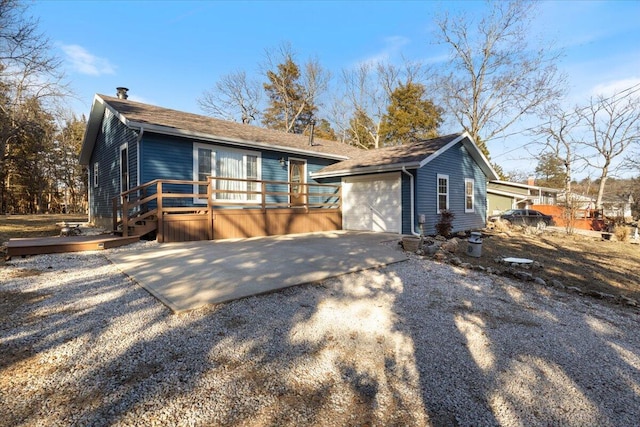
[209, 209]
[125, 216]
[114, 213]
[160, 221]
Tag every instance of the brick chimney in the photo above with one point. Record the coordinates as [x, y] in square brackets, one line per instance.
[122, 92]
[531, 180]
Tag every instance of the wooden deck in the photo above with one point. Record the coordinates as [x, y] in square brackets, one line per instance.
[251, 208]
[55, 245]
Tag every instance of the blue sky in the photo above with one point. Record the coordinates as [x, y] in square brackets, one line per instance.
[169, 52]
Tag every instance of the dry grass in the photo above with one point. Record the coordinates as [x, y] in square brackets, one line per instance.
[20, 226]
[14, 226]
[589, 263]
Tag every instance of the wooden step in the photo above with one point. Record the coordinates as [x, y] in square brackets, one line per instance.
[53, 245]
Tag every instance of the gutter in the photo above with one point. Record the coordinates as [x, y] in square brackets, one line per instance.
[138, 139]
[411, 197]
[365, 170]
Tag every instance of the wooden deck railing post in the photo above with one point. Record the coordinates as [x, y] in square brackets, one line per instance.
[160, 232]
[125, 216]
[209, 208]
[114, 213]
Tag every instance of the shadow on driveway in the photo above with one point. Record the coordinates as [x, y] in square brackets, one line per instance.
[185, 276]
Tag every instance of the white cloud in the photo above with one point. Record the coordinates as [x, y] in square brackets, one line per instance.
[615, 86]
[392, 46]
[86, 63]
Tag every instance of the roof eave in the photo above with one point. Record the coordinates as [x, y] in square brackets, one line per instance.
[473, 149]
[517, 184]
[91, 131]
[365, 170]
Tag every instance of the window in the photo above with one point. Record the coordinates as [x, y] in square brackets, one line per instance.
[95, 175]
[468, 195]
[227, 163]
[443, 192]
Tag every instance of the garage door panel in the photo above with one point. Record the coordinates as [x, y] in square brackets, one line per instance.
[372, 203]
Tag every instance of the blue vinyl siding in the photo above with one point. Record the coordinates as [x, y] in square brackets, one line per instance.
[406, 203]
[166, 157]
[172, 158]
[458, 165]
[107, 154]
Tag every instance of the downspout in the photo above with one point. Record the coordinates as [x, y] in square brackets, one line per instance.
[138, 139]
[412, 203]
[89, 193]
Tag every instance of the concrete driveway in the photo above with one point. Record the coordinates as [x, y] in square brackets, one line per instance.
[185, 276]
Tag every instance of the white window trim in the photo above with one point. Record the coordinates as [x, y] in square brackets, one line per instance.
[96, 180]
[439, 209]
[214, 148]
[124, 147]
[473, 195]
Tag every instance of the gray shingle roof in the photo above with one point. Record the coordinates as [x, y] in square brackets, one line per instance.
[138, 113]
[396, 155]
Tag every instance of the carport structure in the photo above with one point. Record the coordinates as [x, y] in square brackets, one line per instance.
[188, 275]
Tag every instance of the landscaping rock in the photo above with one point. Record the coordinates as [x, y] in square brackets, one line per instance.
[431, 249]
[628, 301]
[451, 245]
[522, 275]
[439, 256]
[539, 281]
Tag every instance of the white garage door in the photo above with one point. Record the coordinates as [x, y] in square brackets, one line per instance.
[372, 203]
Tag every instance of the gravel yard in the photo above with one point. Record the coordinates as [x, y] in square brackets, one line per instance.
[416, 343]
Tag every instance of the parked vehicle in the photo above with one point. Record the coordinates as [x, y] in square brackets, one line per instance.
[524, 217]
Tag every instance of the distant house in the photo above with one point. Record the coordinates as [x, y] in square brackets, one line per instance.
[618, 206]
[191, 177]
[503, 195]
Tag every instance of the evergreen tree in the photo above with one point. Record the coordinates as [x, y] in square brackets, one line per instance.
[410, 116]
[550, 171]
[324, 130]
[292, 92]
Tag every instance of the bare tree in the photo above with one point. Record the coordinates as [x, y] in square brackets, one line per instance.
[28, 73]
[293, 92]
[494, 77]
[359, 113]
[234, 95]
[561, 143]
[613, 125]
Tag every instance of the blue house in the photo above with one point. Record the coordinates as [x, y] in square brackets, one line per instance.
[403, 189]
[191, 177]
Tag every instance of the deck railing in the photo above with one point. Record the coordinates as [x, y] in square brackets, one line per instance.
[154, 199]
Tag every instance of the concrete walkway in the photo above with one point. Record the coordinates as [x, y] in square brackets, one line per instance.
[185, 276]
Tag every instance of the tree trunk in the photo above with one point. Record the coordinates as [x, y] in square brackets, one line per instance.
[603, 181]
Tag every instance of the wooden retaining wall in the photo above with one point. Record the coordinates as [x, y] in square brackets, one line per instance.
[242, 223]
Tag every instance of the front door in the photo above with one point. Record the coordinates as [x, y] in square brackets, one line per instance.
[297, 179]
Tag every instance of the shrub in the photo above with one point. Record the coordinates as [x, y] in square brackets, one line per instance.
[445, 224]
[621, 232]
